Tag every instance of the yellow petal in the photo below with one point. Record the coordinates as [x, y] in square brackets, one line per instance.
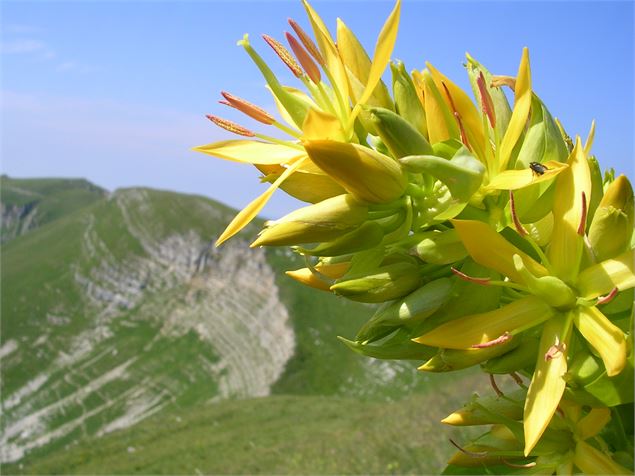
[441, 125]
[522, 105]
[470, 116]
[515, 179]
[603, 277]
[606, 338]
[491, 250]
[383, 50]
[322, 125]
[251, 151]
[248, 213]
[329, 51]
[591, 424]
[566, 244]
[464, 332]
[358, 64]
[367, 174]
[547, 384]
[590, 460]
[589, 140]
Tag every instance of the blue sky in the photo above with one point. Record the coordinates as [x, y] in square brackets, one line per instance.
[116, 92]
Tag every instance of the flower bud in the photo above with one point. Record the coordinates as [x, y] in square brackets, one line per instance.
[448, 360]
[308, 278]
[366, 236]
[612, 226]
[385, 283]
[510, 406]
[397, 134]
[368, 175]
[439, 247]
[414, 308]
[322, 221]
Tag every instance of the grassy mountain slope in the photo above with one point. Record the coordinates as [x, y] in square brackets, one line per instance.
[273, 435]
[123, 310]
[29, 203]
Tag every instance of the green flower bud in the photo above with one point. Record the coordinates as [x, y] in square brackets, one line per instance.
[322, 221]
[553, 290]
[439, 247]
[485, 410]
[412, 309]
[397, 134]
[612, 226]
[384, 284]
[366, 236]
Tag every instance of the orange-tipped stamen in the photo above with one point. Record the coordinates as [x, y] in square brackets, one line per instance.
[304, 58]
[555, 350]
[457, 116]
[486, 100]
[249, 109]
[492, 382]
[505, 337]
[517, 224]
[582, 225]
[608, 298]
[230, 126]
[224, 103]
[465, 277]
[307, 42]
[284, 55]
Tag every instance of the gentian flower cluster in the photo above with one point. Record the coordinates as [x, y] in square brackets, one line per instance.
[485, 234]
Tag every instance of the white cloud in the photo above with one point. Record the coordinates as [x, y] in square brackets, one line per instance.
[22, 46]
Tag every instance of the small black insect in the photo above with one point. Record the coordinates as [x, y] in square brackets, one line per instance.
[537, 168]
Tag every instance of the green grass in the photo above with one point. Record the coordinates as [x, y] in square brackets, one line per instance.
[274, 435]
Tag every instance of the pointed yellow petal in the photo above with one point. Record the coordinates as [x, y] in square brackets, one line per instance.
[515, 179]
[441, 125]
[606, 338]
[491, 250]
[603, 277]
[248, 213]
[590, 460]
[547, 384]
[310, 187]
[251, 151]
[591, 424]
[589, 140]
[464, 332]
[383, 50]
[566, 244]
[329, 51]
[322, 125]
[522, 105]
[468, 113]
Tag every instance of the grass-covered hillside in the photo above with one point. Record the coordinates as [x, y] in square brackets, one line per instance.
[120, 320]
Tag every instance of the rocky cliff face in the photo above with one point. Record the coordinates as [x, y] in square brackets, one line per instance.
[172, 321]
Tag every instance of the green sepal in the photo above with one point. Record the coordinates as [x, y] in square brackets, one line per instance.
[462, 174]
[396, 346]
[446, 148]
[439, 247]
[407, 101]
[612, 391]
[523, 356]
